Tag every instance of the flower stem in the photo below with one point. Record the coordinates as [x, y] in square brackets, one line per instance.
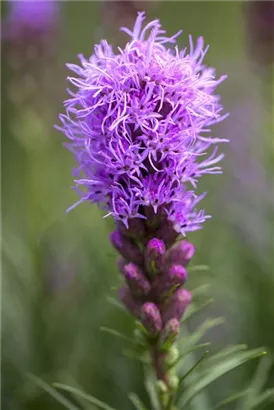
[158, 364]
[161, 372]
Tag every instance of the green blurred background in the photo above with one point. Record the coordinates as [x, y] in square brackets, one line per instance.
[59, 269]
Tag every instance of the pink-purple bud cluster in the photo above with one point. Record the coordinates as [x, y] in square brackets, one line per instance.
[139, 126]
[154, 291]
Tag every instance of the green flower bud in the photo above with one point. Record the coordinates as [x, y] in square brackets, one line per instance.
[161, 386]
[172, 356]
[173, 382]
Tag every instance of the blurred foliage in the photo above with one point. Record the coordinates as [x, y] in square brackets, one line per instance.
[190, 377]
[59, 269]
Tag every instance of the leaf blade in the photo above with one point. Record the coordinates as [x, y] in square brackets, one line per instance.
[136, 401]
[210, 375]
[100, 404]
[114, 332]
[53, 393]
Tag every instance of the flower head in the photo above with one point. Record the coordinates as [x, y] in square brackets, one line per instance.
[31, 16]
[138, 126]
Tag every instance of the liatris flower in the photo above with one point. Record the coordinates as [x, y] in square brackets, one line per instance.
[28, 32]
[138, 126]
[28, 17]
[29, 49]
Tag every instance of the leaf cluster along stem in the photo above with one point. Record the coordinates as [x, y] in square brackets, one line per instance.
[158, 363]
[158, 357]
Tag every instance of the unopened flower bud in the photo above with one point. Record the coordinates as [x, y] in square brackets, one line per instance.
[171, 330]
[154, 254]
[181, 253]
[172, 356]
[165, 285]
[151, 318]
[163, 392]
[176, 305]
[126, 247]
[161, 387]
[127, 299]
[176, 275]
[136, 280]
[173, 382]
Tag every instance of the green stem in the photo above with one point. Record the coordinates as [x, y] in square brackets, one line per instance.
[161, 372]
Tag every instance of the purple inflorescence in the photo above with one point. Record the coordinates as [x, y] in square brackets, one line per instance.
[28, 17]
[139, 127]
[154, 291]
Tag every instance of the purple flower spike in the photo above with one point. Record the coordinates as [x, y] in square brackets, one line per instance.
[151, 318]
[136, 280]
[154, 255]
[138, 125]
[182, 253]
[176, 305]
[28, 17]
[126, 247]
[127, 299]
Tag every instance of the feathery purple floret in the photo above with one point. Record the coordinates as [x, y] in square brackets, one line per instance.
[139, 127]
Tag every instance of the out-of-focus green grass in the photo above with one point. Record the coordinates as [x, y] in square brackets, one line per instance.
[58, 269]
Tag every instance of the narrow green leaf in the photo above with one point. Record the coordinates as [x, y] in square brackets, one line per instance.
[182, 378]
[141, 327]
[264, 399]
[167, 343]
[258, 383]
[136, 401]
[170, 292]
[200, 331]
[201, 290]
[115, 303]
[212, 373]
[100, 404]
[261, 374]
[55, 394]
[150, 385]
[69, 380]
[194, 308]
[202, 401]
[114, 332]
[231, 399]
[224, 353]
[192, 349]
[136, 356]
